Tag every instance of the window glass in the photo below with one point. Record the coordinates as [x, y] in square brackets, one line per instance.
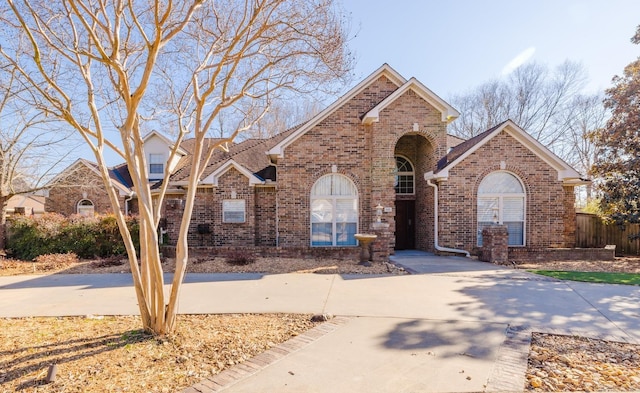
[501, 200]
[156, 163]
[233, 211]
[334, 211]
[404, 183]
[500, 183]
[85, 208]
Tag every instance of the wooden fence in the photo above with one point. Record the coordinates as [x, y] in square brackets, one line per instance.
[592, 232]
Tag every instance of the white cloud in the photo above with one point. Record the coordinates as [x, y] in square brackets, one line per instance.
[519, 60]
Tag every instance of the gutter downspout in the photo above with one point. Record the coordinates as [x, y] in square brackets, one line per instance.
[435, 223]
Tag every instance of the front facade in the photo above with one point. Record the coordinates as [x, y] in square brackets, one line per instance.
[377, 161]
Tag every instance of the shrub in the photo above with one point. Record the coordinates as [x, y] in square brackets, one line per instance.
[240, 258]
[87, 237]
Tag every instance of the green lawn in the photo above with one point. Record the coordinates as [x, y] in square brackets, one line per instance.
[598, 277]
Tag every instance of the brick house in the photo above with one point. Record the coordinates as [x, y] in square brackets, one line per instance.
[79, 190]
[378, 160]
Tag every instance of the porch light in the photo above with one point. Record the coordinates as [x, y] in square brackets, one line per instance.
[495, 216]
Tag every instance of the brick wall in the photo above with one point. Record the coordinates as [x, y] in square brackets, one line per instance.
[265, 216]
[207, 210]
[64, 197]
[549, 205]
[365, 154]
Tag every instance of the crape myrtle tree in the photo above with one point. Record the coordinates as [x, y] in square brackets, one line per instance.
[113, 69]
[617, 165]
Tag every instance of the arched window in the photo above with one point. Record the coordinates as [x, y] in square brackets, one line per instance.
[501, 200]
[404, 176]
[85, 208]
[334, 211]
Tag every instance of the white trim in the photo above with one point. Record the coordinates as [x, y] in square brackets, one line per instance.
[565, 171]
[448, 113]
[217, 174]
[501, 197]
[164, 139]
[83, 213]
[413, 173]
[333, 199]
[228, 203]
[92, 166]
[384, 70]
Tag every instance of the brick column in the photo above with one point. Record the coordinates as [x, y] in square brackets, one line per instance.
[382, 247]
[495, 244]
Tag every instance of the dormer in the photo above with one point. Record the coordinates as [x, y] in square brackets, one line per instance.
[157, 149]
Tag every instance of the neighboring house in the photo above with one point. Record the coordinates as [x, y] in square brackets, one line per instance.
[79, 189]
[378, 160]
[26, 204]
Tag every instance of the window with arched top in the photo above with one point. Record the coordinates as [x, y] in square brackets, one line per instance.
[334, 211]
[85, 208]
[501, 201]
[404, 176]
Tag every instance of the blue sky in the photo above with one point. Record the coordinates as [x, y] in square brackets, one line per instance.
[452, 46]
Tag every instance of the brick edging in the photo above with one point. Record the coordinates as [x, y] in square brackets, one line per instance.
[232, 375]
[509, 370]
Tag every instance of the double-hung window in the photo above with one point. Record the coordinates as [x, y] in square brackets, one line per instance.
[156, 164]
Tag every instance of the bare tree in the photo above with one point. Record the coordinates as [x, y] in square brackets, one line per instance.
[532, 96]
[586, 115]
[142, 64]
[31, 145]
[281, 116]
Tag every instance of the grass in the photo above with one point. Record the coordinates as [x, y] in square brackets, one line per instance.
[594, 277]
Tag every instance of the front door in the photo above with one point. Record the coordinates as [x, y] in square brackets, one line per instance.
[405, 224]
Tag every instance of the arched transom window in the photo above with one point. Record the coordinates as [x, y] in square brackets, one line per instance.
[334, 211]
[85, 208]
[404, 176]
[501, 200]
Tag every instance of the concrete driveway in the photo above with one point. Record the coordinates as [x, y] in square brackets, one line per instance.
[446, 329]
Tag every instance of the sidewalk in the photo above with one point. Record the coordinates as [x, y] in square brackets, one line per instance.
[445, 330]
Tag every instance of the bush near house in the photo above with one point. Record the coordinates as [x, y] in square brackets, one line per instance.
[51, 233]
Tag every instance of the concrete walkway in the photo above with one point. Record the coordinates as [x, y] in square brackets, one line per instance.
[446, 329]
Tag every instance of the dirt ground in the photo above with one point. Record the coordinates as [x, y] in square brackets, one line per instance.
[71, 265]
[620, 265]
[111, 353]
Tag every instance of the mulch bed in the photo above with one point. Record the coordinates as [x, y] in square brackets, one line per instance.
[113, 354]
[567, 364]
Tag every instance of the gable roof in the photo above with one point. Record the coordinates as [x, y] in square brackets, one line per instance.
[447, 112]
[459, 153]
[221, 170]
[117, 175]
[248, 156]
[385, 70]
